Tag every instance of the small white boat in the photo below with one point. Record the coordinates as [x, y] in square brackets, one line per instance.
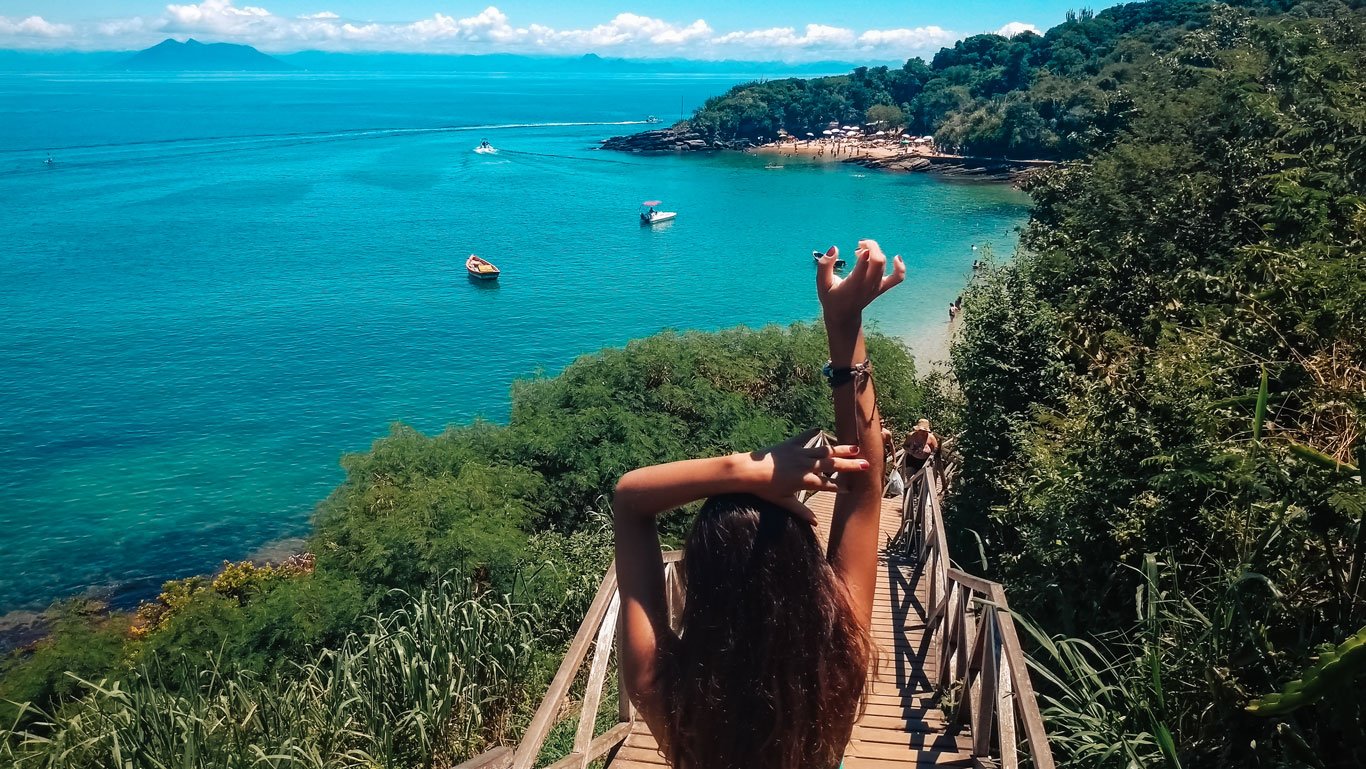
[773, 166]
[485, 148]
[653, 119]
[652, 215]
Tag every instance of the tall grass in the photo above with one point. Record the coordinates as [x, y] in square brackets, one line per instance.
[1105, 704]
[426, 686]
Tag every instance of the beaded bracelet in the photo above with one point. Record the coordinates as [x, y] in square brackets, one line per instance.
[838, 377]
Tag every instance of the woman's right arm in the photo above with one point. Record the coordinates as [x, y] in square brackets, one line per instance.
[858, 506]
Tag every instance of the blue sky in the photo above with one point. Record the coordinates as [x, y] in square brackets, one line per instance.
[793, 30]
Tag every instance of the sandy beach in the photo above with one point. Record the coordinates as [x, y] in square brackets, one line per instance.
[823, 149]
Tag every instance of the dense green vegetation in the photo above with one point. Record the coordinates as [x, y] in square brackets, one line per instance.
[1164, 401]
[487, 541]
[1060, 95]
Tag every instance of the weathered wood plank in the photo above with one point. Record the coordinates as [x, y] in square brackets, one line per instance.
[598, 748]
[495, 758]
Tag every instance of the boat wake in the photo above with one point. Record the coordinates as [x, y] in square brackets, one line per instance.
[153, 150]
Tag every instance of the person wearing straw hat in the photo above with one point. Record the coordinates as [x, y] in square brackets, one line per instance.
[919, 446]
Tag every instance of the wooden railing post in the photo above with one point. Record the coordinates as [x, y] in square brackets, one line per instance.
[597, 674]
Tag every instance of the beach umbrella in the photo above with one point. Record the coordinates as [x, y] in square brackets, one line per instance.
[927, 138]
[827, 132]
[880, 133]
[808, 133]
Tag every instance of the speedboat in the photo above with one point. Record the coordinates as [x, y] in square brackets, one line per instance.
[652, 214]
[485, 148]
[481, 269]
[653, 119]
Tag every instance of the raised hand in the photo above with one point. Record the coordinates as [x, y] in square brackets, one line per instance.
[778, 473]
[843, 299]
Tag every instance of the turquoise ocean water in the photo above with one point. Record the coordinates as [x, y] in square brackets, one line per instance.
[223, 283]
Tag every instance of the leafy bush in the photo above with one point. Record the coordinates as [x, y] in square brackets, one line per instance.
[84, 641]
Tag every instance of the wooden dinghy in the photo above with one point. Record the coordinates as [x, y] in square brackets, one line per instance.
[481, 269]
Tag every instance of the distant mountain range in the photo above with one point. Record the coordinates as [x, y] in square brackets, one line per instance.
[194, 56]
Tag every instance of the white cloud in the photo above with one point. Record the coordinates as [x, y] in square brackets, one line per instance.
[917, 39]
[217, 16]
[787, 37]
[490, 30]
[1016, 27]
[33, 26]
[623, 30]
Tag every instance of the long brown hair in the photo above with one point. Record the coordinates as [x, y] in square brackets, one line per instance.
[769, 669]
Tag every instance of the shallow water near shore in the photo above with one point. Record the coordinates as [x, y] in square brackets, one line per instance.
[221, 284]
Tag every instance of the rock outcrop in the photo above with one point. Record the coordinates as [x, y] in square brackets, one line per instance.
[980, 169]
[674, 139]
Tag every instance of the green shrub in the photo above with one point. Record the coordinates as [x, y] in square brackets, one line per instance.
[84, 642]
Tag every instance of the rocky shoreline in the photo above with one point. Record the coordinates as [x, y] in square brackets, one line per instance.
[958, 167]
[680, 139]
[673, 139]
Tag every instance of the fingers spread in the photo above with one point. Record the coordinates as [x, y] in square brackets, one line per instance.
[840, 465]
[819, 452]
[817, 482]
[898, 274]
[860, 271]
[825, 272]
[797, 510]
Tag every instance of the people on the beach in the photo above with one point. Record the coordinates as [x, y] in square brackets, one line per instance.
[919, 446]
[953, 311]
[749, 681]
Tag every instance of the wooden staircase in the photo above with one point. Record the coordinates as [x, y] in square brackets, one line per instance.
[942, 635]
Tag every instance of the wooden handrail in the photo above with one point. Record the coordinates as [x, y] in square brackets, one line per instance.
[970, 625]
[599, 630]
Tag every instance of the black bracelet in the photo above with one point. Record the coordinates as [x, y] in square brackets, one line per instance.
[839, 377]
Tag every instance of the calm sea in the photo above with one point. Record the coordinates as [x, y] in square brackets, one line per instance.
[221, 284]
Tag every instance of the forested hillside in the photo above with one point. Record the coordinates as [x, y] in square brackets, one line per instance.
[1163, 407]
[1059, 95]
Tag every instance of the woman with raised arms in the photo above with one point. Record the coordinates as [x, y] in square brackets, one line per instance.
[769, 668]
